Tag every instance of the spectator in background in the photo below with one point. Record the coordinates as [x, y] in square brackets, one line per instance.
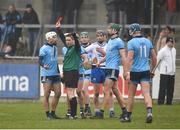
[172, 9]
[58, 9]
[166, 57]
[161, 42]
[131, 11]
[12, 18]
[138, 11]
[115, 9]
[30, 17]
[158, 11]
[125, 11]
[71, 8]
[21, 48]
[68, 9]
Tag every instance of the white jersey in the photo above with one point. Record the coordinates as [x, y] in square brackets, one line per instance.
[92, 48]
[168, 60]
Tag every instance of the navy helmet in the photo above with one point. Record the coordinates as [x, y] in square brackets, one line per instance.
[135, 27]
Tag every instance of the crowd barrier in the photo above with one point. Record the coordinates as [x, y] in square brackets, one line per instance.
[20, 79]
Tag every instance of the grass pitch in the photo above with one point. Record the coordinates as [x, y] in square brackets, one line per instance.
[30, 115]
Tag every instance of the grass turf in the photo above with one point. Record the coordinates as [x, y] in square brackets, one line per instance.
[27, 114]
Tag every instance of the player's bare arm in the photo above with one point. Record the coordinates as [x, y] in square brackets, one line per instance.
[128, 65]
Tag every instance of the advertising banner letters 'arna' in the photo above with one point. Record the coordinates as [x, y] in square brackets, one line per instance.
[19, 81]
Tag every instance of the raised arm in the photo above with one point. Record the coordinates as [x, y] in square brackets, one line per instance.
[77, 45]
[62, 36]
[60, 33]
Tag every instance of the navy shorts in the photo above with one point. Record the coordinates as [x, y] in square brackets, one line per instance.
[138, 77]
[51, 79]
[112, 74]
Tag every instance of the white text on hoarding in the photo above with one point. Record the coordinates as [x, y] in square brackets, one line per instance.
[14, 83]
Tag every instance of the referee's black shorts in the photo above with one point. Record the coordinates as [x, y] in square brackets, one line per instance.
[71, 78]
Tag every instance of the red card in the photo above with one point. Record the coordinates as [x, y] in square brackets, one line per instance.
[59, 19]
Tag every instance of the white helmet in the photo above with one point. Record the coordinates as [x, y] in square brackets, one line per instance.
[50, 34]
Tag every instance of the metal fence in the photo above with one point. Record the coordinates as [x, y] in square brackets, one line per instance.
[78, 28]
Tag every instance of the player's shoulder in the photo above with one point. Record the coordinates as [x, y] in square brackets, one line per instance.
[93, 45]
[147, 40]
[119, 39]
[131, 41]
[44, 47]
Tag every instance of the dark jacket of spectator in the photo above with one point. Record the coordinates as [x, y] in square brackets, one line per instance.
[30, 16]
[12, 17]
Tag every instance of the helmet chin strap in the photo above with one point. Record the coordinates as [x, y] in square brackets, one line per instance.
[100, 42]
[85, 44]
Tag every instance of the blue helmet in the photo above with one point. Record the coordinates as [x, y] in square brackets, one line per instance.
[134, 28]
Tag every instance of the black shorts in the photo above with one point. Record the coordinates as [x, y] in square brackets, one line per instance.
[112, 74]
[71, 78]
[138, 77]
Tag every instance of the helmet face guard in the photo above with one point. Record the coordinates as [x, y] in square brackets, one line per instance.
[135, 27]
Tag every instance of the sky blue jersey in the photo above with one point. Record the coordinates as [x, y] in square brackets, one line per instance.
[82, 70]
[141, 47]
[49, 56]
[113, 58]
[64, 50]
